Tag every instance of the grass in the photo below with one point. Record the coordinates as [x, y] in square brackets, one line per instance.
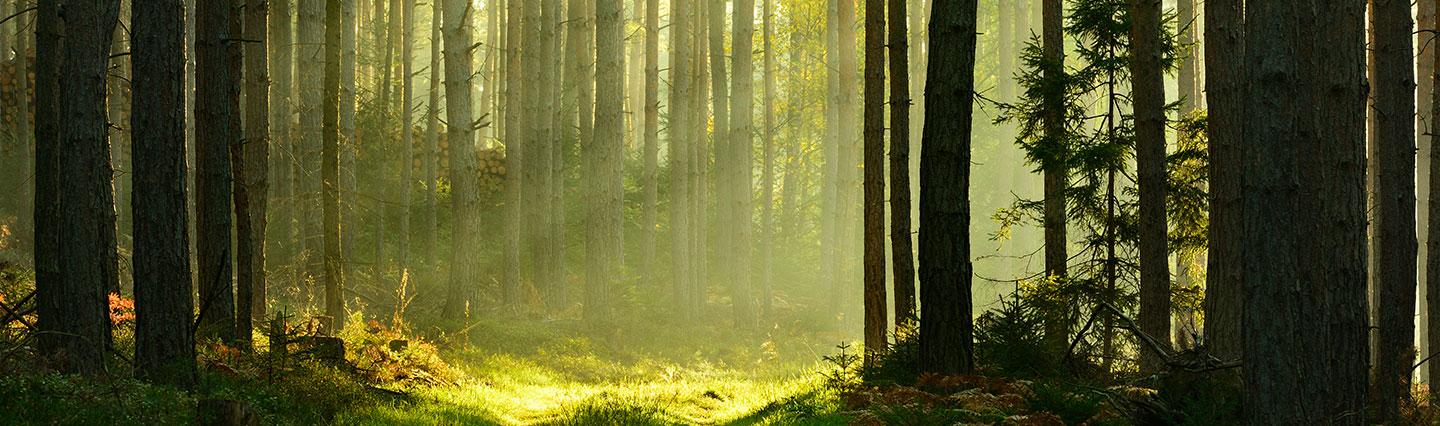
[564, 373]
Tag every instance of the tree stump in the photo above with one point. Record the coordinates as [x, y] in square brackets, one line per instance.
[225, 412]
[330, 350]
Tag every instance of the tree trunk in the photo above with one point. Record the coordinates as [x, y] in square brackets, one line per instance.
[767, 174]
[24, 132]
[1185, 78]
[1395, 108]
[650, 217]
[310, 51]
[1225, 87]
[282, 66]
[681, 69]
[164, 342]
[606, 155]
[515, 151]
[349, 147]
[1300, 158]
[742, 146]
[217, 128]
[330, 166]
[251, 164]
[407, 131]
[1147, 81]
[725, 220]
[1424, 70]
[945, 269]
[848, 190]
[901, 249]
[874, 133]
[1057, 328]
[460, 132]
[432, 139]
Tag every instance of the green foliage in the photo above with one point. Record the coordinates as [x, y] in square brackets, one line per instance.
[898, 363]
[1008, 341]
[1063, 401]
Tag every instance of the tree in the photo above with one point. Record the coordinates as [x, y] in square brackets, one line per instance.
[310, 54]
[945, 269]
[650, 215]
[1394, 92]
[330, 166]
[874, 134]
[1225, 87]
[407, 129]
[1424, 94]
[1304, 158]
[901, 248]
[767, 173]
[164, 341]
[1188, 95]
[681, 72]
[217, 129]
[1147, 80]
[605, 157]
[1432, 255]
[282, 89]
[1053, 167]
[460, 130]
[742, 147]
[250, 164]
[432, 138]
[514, 153]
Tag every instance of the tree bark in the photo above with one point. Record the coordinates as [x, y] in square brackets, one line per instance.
[681, 71]
[283, 141]
[1394, 93]
[767, 173]
[330, 166]
[251, 165]
[460, 132]
[515, 151]
[1148, 85]
[310, 66]
[407, 131]
[606, 207]
[164, 342]
[1303, 158]
[432, 139]
[901, 247]
[217, 129]
[742, 146]
[650, 216]
[945, 268]
[1057, 328]
[1225, 86]
[874, 133]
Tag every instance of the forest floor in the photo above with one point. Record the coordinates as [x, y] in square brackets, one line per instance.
[562, 373]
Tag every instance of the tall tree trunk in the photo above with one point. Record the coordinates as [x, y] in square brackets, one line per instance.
[281, 29]
[251, 164]
[725, 220]
[310, 52]
[1394, 95]
[742, 146]
[1147, 81]
[217, 128]
[1432, 245]
[767, 173]
[874, 132]
[1225, 87]
[606, 155]
[515, 150]
[1189, 67]
[849, 185]
[830, 147]
[681, 69]
[651, 179]
[330, 165]
[460, 132]
[164, 341]
[945, 269]
[1300, 158]
[117, 88]
[1424, 70]
[1057, 327]
[407, 130]
[432, 139]
[901, 249]
[349, 146]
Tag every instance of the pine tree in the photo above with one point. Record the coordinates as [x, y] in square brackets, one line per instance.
[874, 220]
[1147, 81]
[217, 127]
[1225, 87]
[460, 131]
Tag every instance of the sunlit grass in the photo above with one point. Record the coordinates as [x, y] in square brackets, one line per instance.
[557, 375]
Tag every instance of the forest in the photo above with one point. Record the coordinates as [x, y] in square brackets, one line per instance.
[747, 212]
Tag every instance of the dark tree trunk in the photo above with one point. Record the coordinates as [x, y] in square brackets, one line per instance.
[459, 67]
[1147, 81]
[874, 133]
[164, 342]
[310, 68]
[1394, 93]
[945, 269]
[1057, 327]
[282, 106]
[901, 237]
[251, 163]
[217, 129]
[1225, 87]
[330, 166]
[1305, 152]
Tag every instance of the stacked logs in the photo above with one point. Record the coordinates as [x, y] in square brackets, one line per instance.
[489, 163]
[9, 90]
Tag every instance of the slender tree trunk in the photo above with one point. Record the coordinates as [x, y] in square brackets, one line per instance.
[1432, 245]
[1395, 108]
[945, 269]
[650, 214]
[830, 147]
[1424, 70]
[407, 130]
[117, 102]
[251, 164]
[1225, 87]
[1057, 328]
[217, 127]
[1147, 81]
[349, 146]
[1189, 66]
[460, 132]
[1304, 158]
[330, 165]
[164, 341]
[281, 28]
[900, 230]
[874, 132]
[681, 69]
[606, 209]
[515, 150]
[767, 173]
[849, 185]
[742, 146]
[310, 52]
[432, 139]
[725, 220]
